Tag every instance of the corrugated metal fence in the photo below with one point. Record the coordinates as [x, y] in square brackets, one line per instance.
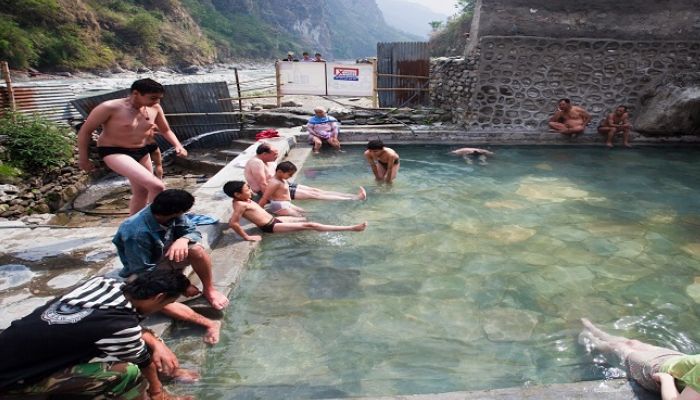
[410, 59]
[181, 105]
[50, 101]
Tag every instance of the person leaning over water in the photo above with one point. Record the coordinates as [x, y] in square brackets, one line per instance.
[384, 161]
[655, 368]
[617, 121]
[161, 236]
[127, 125]
[48, 351]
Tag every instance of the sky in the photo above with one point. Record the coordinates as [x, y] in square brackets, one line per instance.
[446, 7]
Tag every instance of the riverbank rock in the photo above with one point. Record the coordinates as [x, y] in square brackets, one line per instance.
[671, 107]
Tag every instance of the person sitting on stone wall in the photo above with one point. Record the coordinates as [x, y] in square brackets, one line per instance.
[322, 128]
[617, 121]
[568, 119]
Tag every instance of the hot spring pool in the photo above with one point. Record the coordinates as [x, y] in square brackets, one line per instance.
[469, 276]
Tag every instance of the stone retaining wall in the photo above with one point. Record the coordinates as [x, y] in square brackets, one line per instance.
[520, 78]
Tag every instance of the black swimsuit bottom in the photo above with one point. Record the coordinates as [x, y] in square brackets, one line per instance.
[385, 165]
[136, 153]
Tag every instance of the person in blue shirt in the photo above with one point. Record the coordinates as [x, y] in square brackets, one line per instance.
[161, 236]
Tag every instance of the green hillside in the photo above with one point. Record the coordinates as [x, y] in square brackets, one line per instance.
[68, 35]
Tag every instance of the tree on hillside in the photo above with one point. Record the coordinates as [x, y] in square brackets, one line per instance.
[466, 6]
[435, 25]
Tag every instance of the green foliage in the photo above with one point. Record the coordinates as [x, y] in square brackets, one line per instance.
[35, 144]
[8, 171]
[466, 6]
[15, 47]
[451, 41]
[435, 25]
[142, 30]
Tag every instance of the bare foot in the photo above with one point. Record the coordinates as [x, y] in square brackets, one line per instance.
[610, 145]
[362, 194]
[216, 298]
[212, 335]
[628, 145]
[186, 376]
[192, 291]
[359, 227]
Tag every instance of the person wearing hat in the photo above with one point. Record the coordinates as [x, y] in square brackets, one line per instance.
[290, 57]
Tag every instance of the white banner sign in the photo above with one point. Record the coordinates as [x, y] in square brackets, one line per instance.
[322, 79]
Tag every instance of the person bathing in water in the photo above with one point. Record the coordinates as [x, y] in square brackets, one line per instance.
[655, 368]
[261, 168]
[244, 207]
[277, 193]
[384, 161]
[467, 152]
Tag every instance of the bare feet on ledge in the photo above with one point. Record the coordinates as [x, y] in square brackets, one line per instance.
[216, 298]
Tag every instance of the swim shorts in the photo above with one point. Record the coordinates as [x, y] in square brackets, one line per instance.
[136, 153]
[269, 227]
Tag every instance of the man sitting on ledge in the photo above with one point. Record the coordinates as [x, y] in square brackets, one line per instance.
[161, 236]
[569, 120]
[322, 128]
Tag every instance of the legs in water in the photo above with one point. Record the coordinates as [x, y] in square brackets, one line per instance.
[182, 312]
[307, 192]
[283, 227]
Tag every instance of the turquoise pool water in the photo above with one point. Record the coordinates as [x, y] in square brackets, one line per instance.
[469, 276]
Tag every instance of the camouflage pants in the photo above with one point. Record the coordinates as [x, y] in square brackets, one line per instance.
[99, 380]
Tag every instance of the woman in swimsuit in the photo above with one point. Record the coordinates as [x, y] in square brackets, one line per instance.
[655, 368]
[384, 161]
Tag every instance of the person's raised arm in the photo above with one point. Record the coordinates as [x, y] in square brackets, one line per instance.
[235, 222]
[669, 391]
[97, 117]
[167, 133]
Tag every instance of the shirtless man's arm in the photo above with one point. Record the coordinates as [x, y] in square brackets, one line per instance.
[389, 176]
[272, 187]
[258, 173]
[97, 118]
[239, 208]
[167, 133]
[585, 116]
[373, 165]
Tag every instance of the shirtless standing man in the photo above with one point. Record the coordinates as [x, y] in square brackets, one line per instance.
[126, 126]
[568, 119]
[617, 121]
[259, 169]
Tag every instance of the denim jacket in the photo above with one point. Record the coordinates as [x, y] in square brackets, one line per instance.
[141, 240]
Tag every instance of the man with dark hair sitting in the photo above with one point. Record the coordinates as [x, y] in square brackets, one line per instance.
[161, 236]
[48, 351]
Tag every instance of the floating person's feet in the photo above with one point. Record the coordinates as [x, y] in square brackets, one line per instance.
[212, 334]
[216, 298]
[362, 194]
[359, 227]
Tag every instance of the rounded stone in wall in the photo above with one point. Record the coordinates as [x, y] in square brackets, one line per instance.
[618, 88]
[496, 121]
[583, 78]
[491, 99]
[597, 107]
[499, 106]
[531, 124]
[518, 122]
[505, 90]
[540, 115]
[486, 110]
[541, 85]
[488, 56]
[507, 73]
[585, 68]
[655, 45]
[520, 95]
[501, 46]
[627, 45]
[612, 46]
[487, 45]
[510, 101]
[587, 58]
[511, 114]
[695, 46]
[506, 66]
[594, 98]
[488, 89]
[505, 81]
[533, 93]
[492, 80]
[529, 105]
[571, 47]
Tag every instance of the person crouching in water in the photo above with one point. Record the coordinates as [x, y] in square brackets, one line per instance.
[384, 161]
[245, 207]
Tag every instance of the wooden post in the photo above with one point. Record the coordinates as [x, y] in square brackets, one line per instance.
[8, 81]
[240, 102]
[375, 93]
[279, 84]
